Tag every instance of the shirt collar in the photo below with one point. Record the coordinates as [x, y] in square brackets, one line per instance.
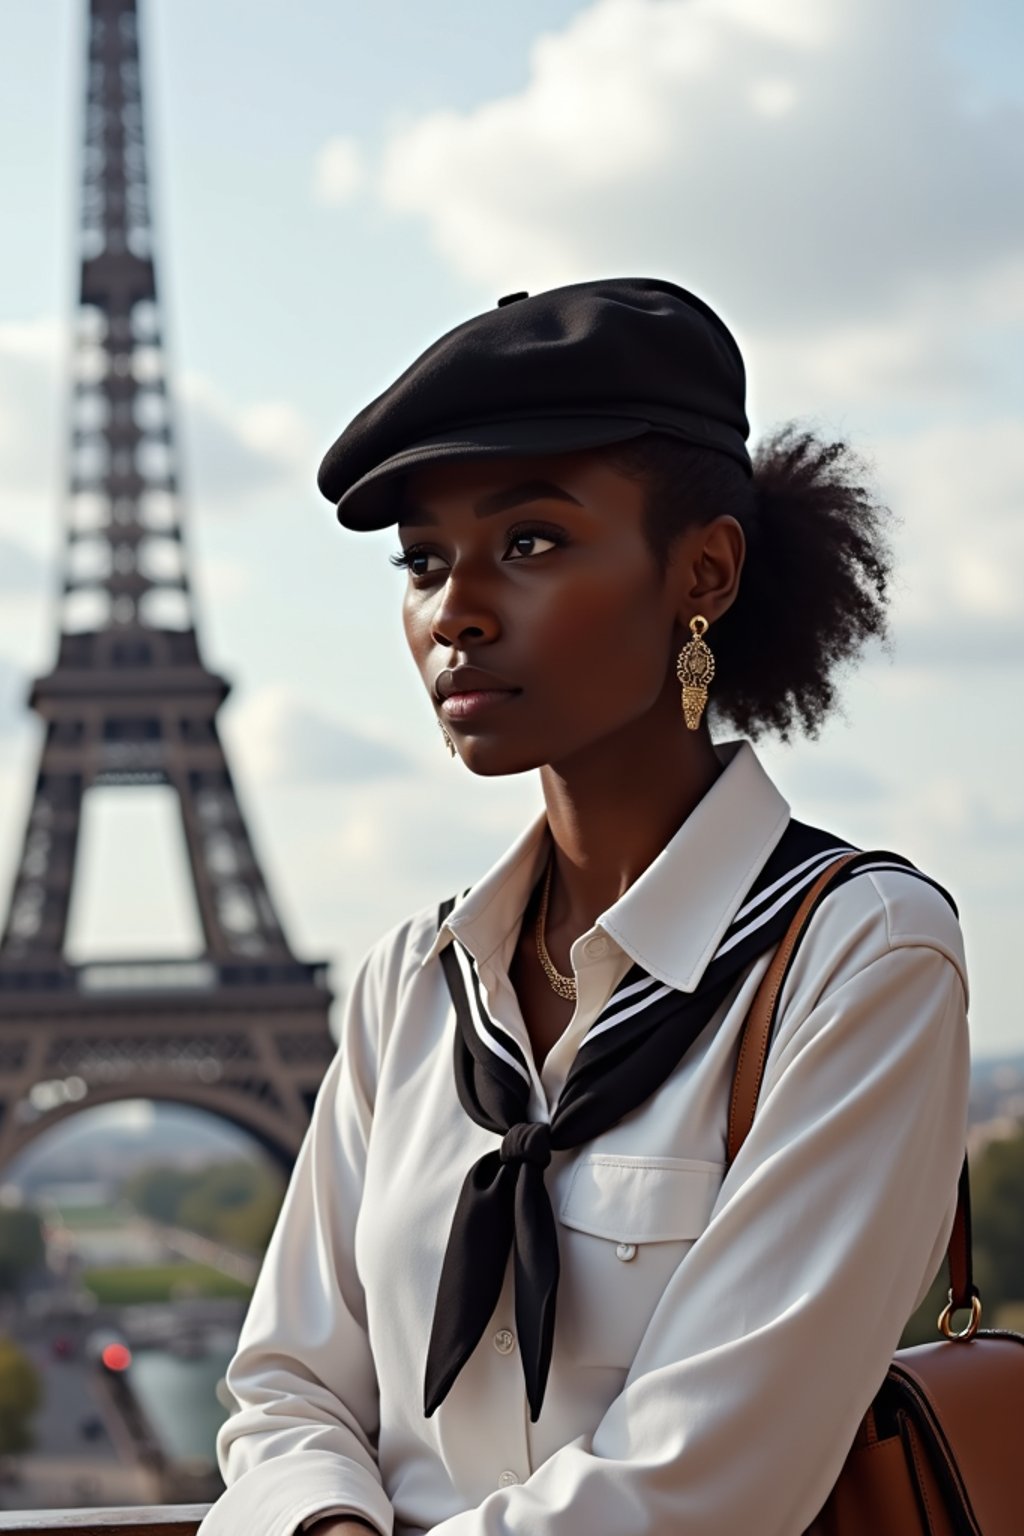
[484, 915]
[672, 918]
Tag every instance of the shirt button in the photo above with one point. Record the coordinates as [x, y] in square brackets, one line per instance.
[625, 1252]
[508, 1479]
[595, 949]
[504, 1342]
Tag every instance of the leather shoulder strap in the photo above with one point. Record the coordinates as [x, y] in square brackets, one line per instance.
[755, 1040]
[760, 1022]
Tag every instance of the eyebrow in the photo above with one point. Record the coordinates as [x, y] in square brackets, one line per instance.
[496, 501]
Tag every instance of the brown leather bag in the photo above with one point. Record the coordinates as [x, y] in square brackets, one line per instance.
[940, 1451]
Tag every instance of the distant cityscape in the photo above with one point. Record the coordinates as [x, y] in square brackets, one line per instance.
[140, 1228]
[997, 1098]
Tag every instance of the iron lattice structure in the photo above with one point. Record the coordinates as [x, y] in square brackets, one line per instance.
[242, 1028]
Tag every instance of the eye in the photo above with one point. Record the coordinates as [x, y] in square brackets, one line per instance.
[418, 561]
[524, 542]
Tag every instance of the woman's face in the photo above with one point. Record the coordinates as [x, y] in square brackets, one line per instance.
[540, 622]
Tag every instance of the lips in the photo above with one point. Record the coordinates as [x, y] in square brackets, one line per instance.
[465, 692]
[458, 680]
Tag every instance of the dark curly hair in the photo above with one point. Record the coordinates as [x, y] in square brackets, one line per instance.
[815, 583]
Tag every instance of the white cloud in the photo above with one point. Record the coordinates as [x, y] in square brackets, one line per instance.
[13, 689]
[777, 158]
[283, 739]
[31, 454]
[957, 647]
[21, 570]
[957, 473]
[837, 199]
[801, 24]
[237, 453]
[960, 491]
[834, 782]
[338, 173]
[38, 340]
[935, 360]
[353, 860]
[773, 97]
[221, 580]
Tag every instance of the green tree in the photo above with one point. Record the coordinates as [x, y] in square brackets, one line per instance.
[997, 1215]
[22, 1247]
[158, 1191]
[20, 1396]
[921, 1327]
[997, 1219]
[235, 1203]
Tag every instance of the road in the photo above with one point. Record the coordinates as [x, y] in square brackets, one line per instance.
[71, 1468]
[69, 1401]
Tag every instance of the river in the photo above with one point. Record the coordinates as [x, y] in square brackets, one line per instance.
[177, 1394]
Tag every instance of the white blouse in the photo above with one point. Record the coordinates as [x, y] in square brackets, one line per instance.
[717, 1338]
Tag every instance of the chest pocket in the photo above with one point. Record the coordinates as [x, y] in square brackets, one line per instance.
[626, 1224]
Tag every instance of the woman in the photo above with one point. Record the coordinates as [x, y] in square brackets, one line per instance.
[513, 1288]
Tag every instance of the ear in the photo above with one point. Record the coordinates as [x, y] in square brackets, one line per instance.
[709, 562]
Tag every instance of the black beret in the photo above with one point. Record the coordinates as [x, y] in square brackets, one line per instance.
[575, 367]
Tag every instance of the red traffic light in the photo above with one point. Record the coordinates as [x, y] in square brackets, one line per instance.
[116, 1357]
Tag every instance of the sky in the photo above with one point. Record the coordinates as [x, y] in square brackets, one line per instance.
[337, 184]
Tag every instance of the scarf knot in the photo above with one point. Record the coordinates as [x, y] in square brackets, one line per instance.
[527, 1142]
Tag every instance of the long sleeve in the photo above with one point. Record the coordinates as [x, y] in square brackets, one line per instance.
[776, 1329]
[303, 1439]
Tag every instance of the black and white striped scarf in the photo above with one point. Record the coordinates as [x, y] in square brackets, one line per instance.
[639, 1037]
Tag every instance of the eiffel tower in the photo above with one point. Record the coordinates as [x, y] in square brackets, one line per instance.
[240, 1029]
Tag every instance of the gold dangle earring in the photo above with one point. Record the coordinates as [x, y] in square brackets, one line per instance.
[695, 667]
[447, 739]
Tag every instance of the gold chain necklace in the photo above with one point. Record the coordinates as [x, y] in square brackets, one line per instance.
[565, 986]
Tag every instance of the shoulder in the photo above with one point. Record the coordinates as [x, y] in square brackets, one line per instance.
[396, 958]
[878, 982]
[374, 1000]
[881, 908]
[388, 971]
[916, 911]
[900, 907]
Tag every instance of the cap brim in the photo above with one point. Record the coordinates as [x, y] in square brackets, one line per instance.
[374, 501]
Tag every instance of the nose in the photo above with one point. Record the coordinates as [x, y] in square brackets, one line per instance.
[462, 614]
